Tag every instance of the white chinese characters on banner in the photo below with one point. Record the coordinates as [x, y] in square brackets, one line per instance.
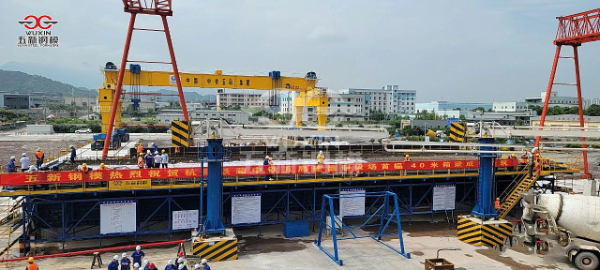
[117, 216]
[352, 205]
[245, 208]
[187, 219]
[444, 197]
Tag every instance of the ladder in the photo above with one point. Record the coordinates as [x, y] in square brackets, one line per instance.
[512, 196]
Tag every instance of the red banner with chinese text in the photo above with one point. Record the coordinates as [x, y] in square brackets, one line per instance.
[16, 179]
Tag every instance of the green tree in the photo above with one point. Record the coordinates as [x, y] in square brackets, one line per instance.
[593, 110]
[377, 115]
[481, 109]
[462, 118]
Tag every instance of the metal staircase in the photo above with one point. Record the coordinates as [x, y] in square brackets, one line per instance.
[10, 223]
[512, 195]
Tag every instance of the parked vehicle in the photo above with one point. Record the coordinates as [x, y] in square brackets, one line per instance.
[83, 130]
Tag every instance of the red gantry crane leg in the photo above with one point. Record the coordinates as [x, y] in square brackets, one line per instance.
[149, 7]
[573, 30]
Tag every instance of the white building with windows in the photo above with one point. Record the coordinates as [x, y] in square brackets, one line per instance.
[555, 99]
[511, 106]
[389, 99]
[345, 107]
[241, 99]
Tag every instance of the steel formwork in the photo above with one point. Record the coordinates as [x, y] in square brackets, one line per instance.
[67, 217]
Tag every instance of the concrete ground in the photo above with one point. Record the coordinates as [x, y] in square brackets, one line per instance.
[272, 251]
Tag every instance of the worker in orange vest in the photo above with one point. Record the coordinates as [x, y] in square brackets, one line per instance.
[141, 162]
[538, 163]
[84, 168]
[497, 204]
[31, 265]
[39, 158]
[102, 167]
[406, 157]
[176, 149]
[140, 148]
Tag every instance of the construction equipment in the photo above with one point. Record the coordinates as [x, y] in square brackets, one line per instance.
[573, 30]
[310, 95]
[119, 135]
[573, 221]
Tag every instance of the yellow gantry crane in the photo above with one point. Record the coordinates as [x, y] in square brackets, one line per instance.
[309, 94]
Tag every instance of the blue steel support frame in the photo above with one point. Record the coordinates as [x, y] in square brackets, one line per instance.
[383, 213]
[484, 208]
[303, 205]
[214, 201]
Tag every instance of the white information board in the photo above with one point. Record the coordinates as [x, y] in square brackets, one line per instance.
[354, 206]
[117, 216]
[186, 219]
[444, 197]
[245, 208]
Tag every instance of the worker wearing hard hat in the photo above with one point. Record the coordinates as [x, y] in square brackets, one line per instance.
[11, 165]
[157, 159]
[154, 147]
[114, 264]
[73, 154]
[24, 162]
[149, 159]
[140, 149]
[164, 159]
[39, 158]
[151, 266]
[182, 264]
[320, 157]
[136, 266]
[204, 264]
[268, 161]
[125, 262]
[170, 266]
[141, 163]
[406, 157]
[31, 265]
[138, 255]
[497, 204]
[197, 266]
[145, 265]
[84, 168]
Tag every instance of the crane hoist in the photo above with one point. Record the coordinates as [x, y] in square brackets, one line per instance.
[309, 94]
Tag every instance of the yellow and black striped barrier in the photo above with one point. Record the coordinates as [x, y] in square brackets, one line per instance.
[216, 250]
[477, 232]
[457, 132]
[180, 134]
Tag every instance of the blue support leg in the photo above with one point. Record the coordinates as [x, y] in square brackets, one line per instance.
[484, 208]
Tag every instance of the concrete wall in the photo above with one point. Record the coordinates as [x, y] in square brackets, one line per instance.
[39, 129]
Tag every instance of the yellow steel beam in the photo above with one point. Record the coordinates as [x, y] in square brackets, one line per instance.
[216, 80]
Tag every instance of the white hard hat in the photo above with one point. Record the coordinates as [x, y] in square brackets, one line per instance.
[148, 151]
[181, 266]
[116, 257]
[124, 255]
[138, 248]
[71, 146]
[24, 154]
[156, 152]
[321, 152]
[267, 157]
[12, 157]
[197, 266]
[136, 265]
[170, 262]
[204, 261]
[146, 262]
[180, 260]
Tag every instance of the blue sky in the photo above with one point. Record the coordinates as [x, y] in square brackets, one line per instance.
[458, 50]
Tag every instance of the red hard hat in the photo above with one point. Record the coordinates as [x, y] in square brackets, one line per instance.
[151, 265]
[180, 254]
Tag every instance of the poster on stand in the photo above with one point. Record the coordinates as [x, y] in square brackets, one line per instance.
[444, 197]
[117, 217]
[353, 205]
[245, 208]
[186, 219]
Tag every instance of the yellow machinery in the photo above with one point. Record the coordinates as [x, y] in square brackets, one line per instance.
[309, 96]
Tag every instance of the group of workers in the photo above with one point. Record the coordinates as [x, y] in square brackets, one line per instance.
[25, 165]
[138, 255]
[153, 160]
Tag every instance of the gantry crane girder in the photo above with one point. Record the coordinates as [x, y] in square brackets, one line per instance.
[578, 28]
[309, 94]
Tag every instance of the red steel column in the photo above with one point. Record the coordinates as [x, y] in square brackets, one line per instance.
[175, 70]
[586, 172]
[548, 92]
[117, 95]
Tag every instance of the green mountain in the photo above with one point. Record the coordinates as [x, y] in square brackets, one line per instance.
[20, 82]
